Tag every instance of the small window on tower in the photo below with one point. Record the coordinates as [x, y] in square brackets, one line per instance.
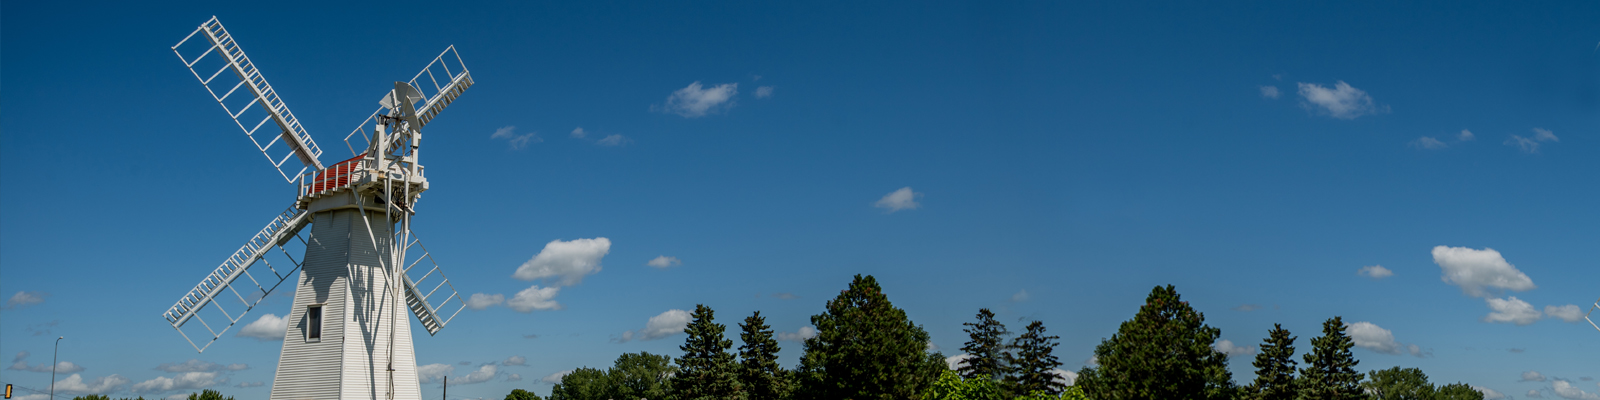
[314, 323]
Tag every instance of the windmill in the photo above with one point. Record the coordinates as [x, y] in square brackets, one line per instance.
[347, 336]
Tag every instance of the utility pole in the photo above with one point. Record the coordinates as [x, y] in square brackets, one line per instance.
[53, 362]
[445, 396]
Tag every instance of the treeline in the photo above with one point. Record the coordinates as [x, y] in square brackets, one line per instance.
[866, 348]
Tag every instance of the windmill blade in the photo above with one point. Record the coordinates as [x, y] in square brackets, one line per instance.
[440, 83]
[212, 288]
[221, 53]
[429, 283]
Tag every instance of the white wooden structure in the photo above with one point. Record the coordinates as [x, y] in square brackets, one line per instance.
[348, 335]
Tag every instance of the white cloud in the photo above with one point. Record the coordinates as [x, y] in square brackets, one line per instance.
[613, 140]
[1489, 394]
[513, 377]
[785, 295]
[1511, 310]
[433, 372]
[267, 328]
[1342, 101]
[901, 199]
[1531, 144]
[668, 323]
[1532, 376]
[194, 365]
[516, 141]
[1535, 394]
[1227, 347]
[930, 346]
[1068, 378]
[555, 378]
[515, 360]
[954, 362]
[480, 301]
[24, 299]
[35, 396]
[1466, 136]
[20, 363]
[1428, 143]
[105, 384]
[1417, 351]
[1569, 313]
[578, 133]
[694, 101]
[763, 92]
[1370, 336]
[1094, 360]
[801, 335]
[250, 384]
[183, 381]
[1477, 270]
[484, 373]
[1247, 307]
[1565, 389]
[1375, 272]
[570, 261]
[1020, 296]
[664, 262]
[1270, 92]
[535, 298]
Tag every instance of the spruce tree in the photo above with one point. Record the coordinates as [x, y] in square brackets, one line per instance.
[1033, 363]
[759, 374]
[1164, 352]
[985, 348]
[866, 349]
[1275, 367]
[706, 370]
[1330, 369]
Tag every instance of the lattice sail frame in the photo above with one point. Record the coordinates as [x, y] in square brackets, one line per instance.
[284, 227]
[297, 142]
[439, 83]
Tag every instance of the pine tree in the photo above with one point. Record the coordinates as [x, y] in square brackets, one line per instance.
[866, 349]
[1164, 352]
[759, 373]
[1275, 367]
[1330, 369]
[1033, 362]
[985, 348]
[706, 369]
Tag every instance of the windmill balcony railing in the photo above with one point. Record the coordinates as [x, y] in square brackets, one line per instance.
[336, 176]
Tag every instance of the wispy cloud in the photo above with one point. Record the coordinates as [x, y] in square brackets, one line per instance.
[1342, 101]
[1428, 143]
[613, 140]
[1020, 296]
[1270, 92]
[696, 101]
[480, 301]
[1375, 272]
[515, 140]
[195, 365]
[900, 199]
[1530, 145]
[801, 335]
[20, 363]
[24, 299]
[1227, 347]
[664, 262]
[763, 92]
[579, 133]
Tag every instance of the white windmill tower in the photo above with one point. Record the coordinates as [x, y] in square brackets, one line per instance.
[348, 336]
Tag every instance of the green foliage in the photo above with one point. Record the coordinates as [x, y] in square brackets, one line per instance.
[94, 397]
[1330, 369]
[1032, 362]
[519, 394]
[985, 347]
[951, 386]
[759, 374]
[1274, 367]
[1164, 352]
[866, 349]
[707, 369]
[1070, 393]
[208, 394]
[634, 375]
[1457, 391]
[1398, 384]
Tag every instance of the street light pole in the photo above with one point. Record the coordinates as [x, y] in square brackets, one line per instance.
[53, 367]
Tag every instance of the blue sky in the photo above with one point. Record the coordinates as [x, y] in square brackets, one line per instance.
[1061, 159]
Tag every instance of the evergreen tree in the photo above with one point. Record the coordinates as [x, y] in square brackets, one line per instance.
[1330, 369]
[759, 373]
[1164, 352]
[1457, 391]
[706, 368]
[519, 394]
[1033, 362]
[985, 348]
[1398, 384]
[1275, 367]
[866, 349]
[209, 394]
